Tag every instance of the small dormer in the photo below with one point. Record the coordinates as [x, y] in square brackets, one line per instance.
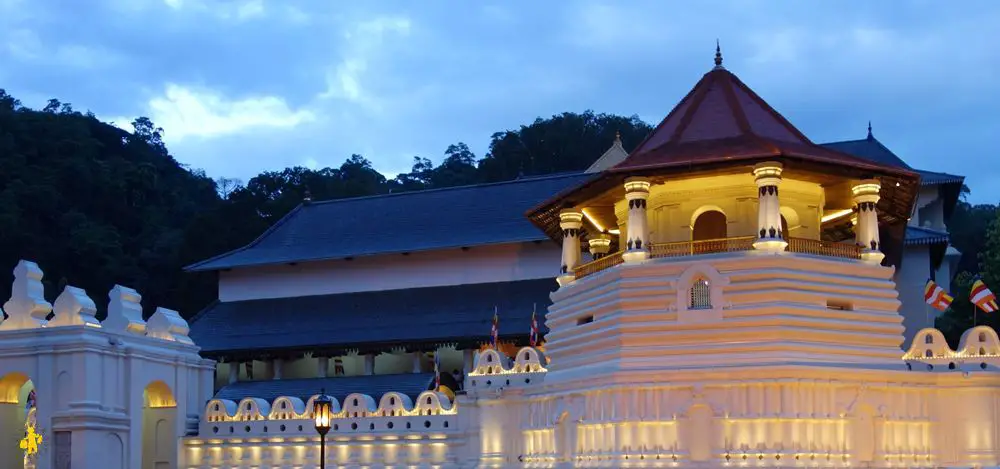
[616, 154]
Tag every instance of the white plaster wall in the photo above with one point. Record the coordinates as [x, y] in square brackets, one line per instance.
[929, 211]
[486, 264]
[910, 282]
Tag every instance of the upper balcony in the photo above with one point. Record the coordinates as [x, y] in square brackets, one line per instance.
[713, 246]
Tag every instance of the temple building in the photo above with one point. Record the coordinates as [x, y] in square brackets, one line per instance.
[728, 293]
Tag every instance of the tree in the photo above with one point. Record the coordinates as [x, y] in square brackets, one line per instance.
[564, 142]
[457, 169]
[963, 314]
[8, 102]
[226, 186]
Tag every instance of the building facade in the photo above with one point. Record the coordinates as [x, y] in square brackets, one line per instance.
[728, 293]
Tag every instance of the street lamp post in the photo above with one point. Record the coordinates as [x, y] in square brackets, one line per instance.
[321, 415]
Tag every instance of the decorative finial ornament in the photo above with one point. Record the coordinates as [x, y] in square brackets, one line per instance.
[869, 130]
[718, 55]
[618, 136]
[308, 196]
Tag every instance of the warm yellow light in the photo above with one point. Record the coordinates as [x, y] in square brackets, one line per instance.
[592, 221]
[636, 185]
[835, 215]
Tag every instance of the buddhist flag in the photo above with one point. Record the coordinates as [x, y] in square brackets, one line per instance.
[982, 297]
[495, 332]
[533, 337]
[935, 296]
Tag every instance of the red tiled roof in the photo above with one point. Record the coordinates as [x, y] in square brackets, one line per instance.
[722, 119]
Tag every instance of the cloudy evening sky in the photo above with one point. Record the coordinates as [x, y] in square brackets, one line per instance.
[242, 86]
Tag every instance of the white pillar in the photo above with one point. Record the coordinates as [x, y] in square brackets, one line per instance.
[866, 196]
[234, 372]
[599, 246]
[769, 235]
[467, 358]
[369, 364]
[570, 221]
[322, 367]
[279, 368]
[417, 362]
[636, 226]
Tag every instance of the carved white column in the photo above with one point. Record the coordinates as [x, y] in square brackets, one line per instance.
[234, 372]
[279, 368]
[468, 357]
[322, 367]
[769, 235]
[637, 227]
[599, 246]
[866, 196]
[369, 364]
[570, 221]
[417, 365]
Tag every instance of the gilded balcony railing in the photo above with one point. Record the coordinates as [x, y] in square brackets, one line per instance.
[824, 248]
[709, 246]
[605, 262]
[744, 243]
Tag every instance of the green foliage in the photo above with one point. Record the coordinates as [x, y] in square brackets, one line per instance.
[95, 205]
[963, 314]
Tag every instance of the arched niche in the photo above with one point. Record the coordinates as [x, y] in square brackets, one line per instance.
[790, 221]
[17, 398]
[709, 223]
[159, 426]
[692, 282]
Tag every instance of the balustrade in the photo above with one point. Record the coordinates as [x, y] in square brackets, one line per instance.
[713, 246]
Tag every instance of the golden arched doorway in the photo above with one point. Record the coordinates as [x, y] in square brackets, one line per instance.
[709, 225]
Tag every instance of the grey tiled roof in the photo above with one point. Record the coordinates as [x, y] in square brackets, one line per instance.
[933, 178]
[375, 320]
[404, 222]
[916, 236]
[869, 149]
[410, 384]
[872, 149]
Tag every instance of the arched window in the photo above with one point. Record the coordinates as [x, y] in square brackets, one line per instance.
[928, 353]
[709, 225]
[701, 295]
[928, 339]
[982, 337]
[784, 228]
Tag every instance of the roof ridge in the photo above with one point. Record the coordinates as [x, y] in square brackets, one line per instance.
[563, 174]
[281, 221]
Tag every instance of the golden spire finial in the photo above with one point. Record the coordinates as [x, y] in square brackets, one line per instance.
[718, 55]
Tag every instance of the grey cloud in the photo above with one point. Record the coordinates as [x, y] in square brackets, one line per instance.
[923, 72]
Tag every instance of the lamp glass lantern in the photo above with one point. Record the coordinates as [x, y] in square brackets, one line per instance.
[321, 419]
[321, 413]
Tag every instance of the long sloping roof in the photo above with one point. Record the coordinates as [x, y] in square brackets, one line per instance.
[406, 222]
[377, 319]
[411, 384]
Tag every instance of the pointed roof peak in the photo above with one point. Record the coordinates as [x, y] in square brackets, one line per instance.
[722, 119]
[870, 136]
[718, 56]
[615, 154]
